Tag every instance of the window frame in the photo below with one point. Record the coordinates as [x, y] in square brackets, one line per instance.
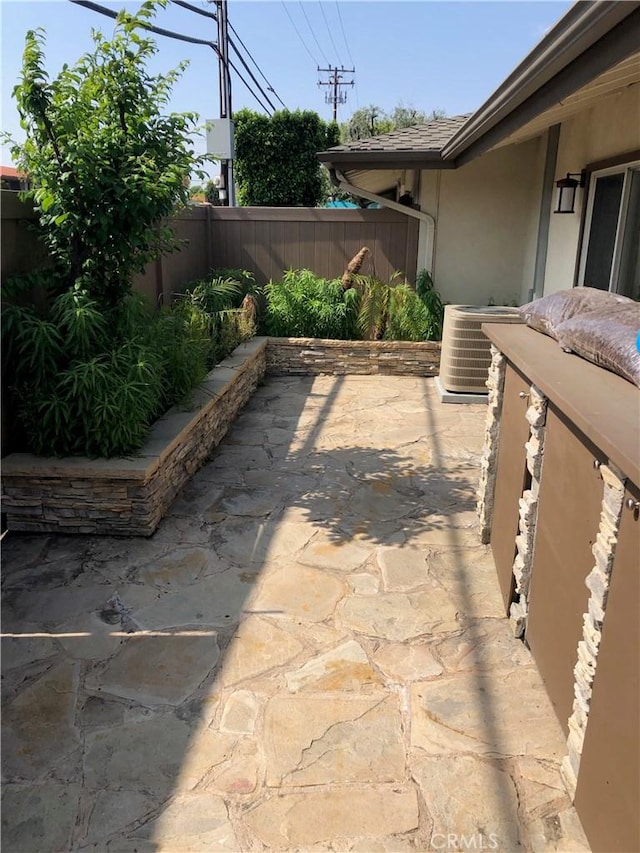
[626, 166]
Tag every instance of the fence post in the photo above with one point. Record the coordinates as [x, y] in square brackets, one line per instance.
[159, 281]
[209, 237]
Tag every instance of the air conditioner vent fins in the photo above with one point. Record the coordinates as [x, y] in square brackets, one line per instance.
[466, 351]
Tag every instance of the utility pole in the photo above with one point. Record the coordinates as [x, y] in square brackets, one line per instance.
[335, 81]
[226, 166]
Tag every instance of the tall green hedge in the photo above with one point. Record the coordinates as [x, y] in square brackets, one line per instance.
[276, 157]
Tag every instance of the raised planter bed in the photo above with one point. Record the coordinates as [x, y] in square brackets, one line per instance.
[129, 497]
[311, 356]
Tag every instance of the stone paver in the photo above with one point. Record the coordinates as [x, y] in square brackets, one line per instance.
[157, 670]
[310, 654]
[313, 741]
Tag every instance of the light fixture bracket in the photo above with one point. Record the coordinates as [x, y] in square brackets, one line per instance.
[581, 177]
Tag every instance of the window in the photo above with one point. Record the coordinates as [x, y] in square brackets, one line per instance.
[611, 250]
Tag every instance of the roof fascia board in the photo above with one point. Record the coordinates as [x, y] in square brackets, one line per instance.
[398, 163]
[587, 30]
[383, 159]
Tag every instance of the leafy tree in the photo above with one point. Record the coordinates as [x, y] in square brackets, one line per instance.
[408, 116]
[364, 123]
[106, 164]
[276, 162]
[373, 121]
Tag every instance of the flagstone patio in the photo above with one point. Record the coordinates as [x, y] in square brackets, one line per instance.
[310, 654]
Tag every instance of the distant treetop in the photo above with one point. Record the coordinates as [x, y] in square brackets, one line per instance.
[373, 121]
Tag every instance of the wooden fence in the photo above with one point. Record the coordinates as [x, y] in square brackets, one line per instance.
[263, 240]
[268, 240]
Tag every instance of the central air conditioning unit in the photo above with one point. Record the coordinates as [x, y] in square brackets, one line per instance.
[466, 350]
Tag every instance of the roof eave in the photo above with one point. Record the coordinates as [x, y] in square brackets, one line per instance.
[384, 159]
[589, 39]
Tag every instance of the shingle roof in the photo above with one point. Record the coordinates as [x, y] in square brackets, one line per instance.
[432, 136]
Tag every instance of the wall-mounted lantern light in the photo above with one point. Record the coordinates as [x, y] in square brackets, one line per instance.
[567, 191]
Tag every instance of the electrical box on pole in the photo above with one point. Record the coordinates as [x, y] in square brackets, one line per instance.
[220, 138]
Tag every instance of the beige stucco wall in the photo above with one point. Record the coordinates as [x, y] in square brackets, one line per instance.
[610, 129]
[486, 216]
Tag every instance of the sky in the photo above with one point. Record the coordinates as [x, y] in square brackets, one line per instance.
[449, 56]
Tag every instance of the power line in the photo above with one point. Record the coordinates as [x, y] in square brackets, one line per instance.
[248, 87]
[109, 13]
[214, 17]
[250, 73]
[269, 86]
[304, 12]
[198, 11]
[298, 33]
[343, 34]
[329, 31]
[336, 81]
[102, 10]
[346, 42]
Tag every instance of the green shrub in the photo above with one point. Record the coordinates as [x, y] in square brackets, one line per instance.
[217, 300]
[303, 305]
[212, 295]
[90, 382]
[77, 384]
[373, 314]
[182, 341]
[246, 283]
[244, 278]
[235, 328]
[276, 162]
[408, 317]
[89, 366]
[395, 311]
[432, 301]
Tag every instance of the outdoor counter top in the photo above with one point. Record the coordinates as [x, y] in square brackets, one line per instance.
[603, 406]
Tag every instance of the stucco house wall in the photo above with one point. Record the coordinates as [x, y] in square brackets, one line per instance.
[486, 217]
[605, 131]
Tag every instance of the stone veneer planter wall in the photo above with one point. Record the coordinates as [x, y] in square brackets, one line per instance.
[311, 356]
[129, 497]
